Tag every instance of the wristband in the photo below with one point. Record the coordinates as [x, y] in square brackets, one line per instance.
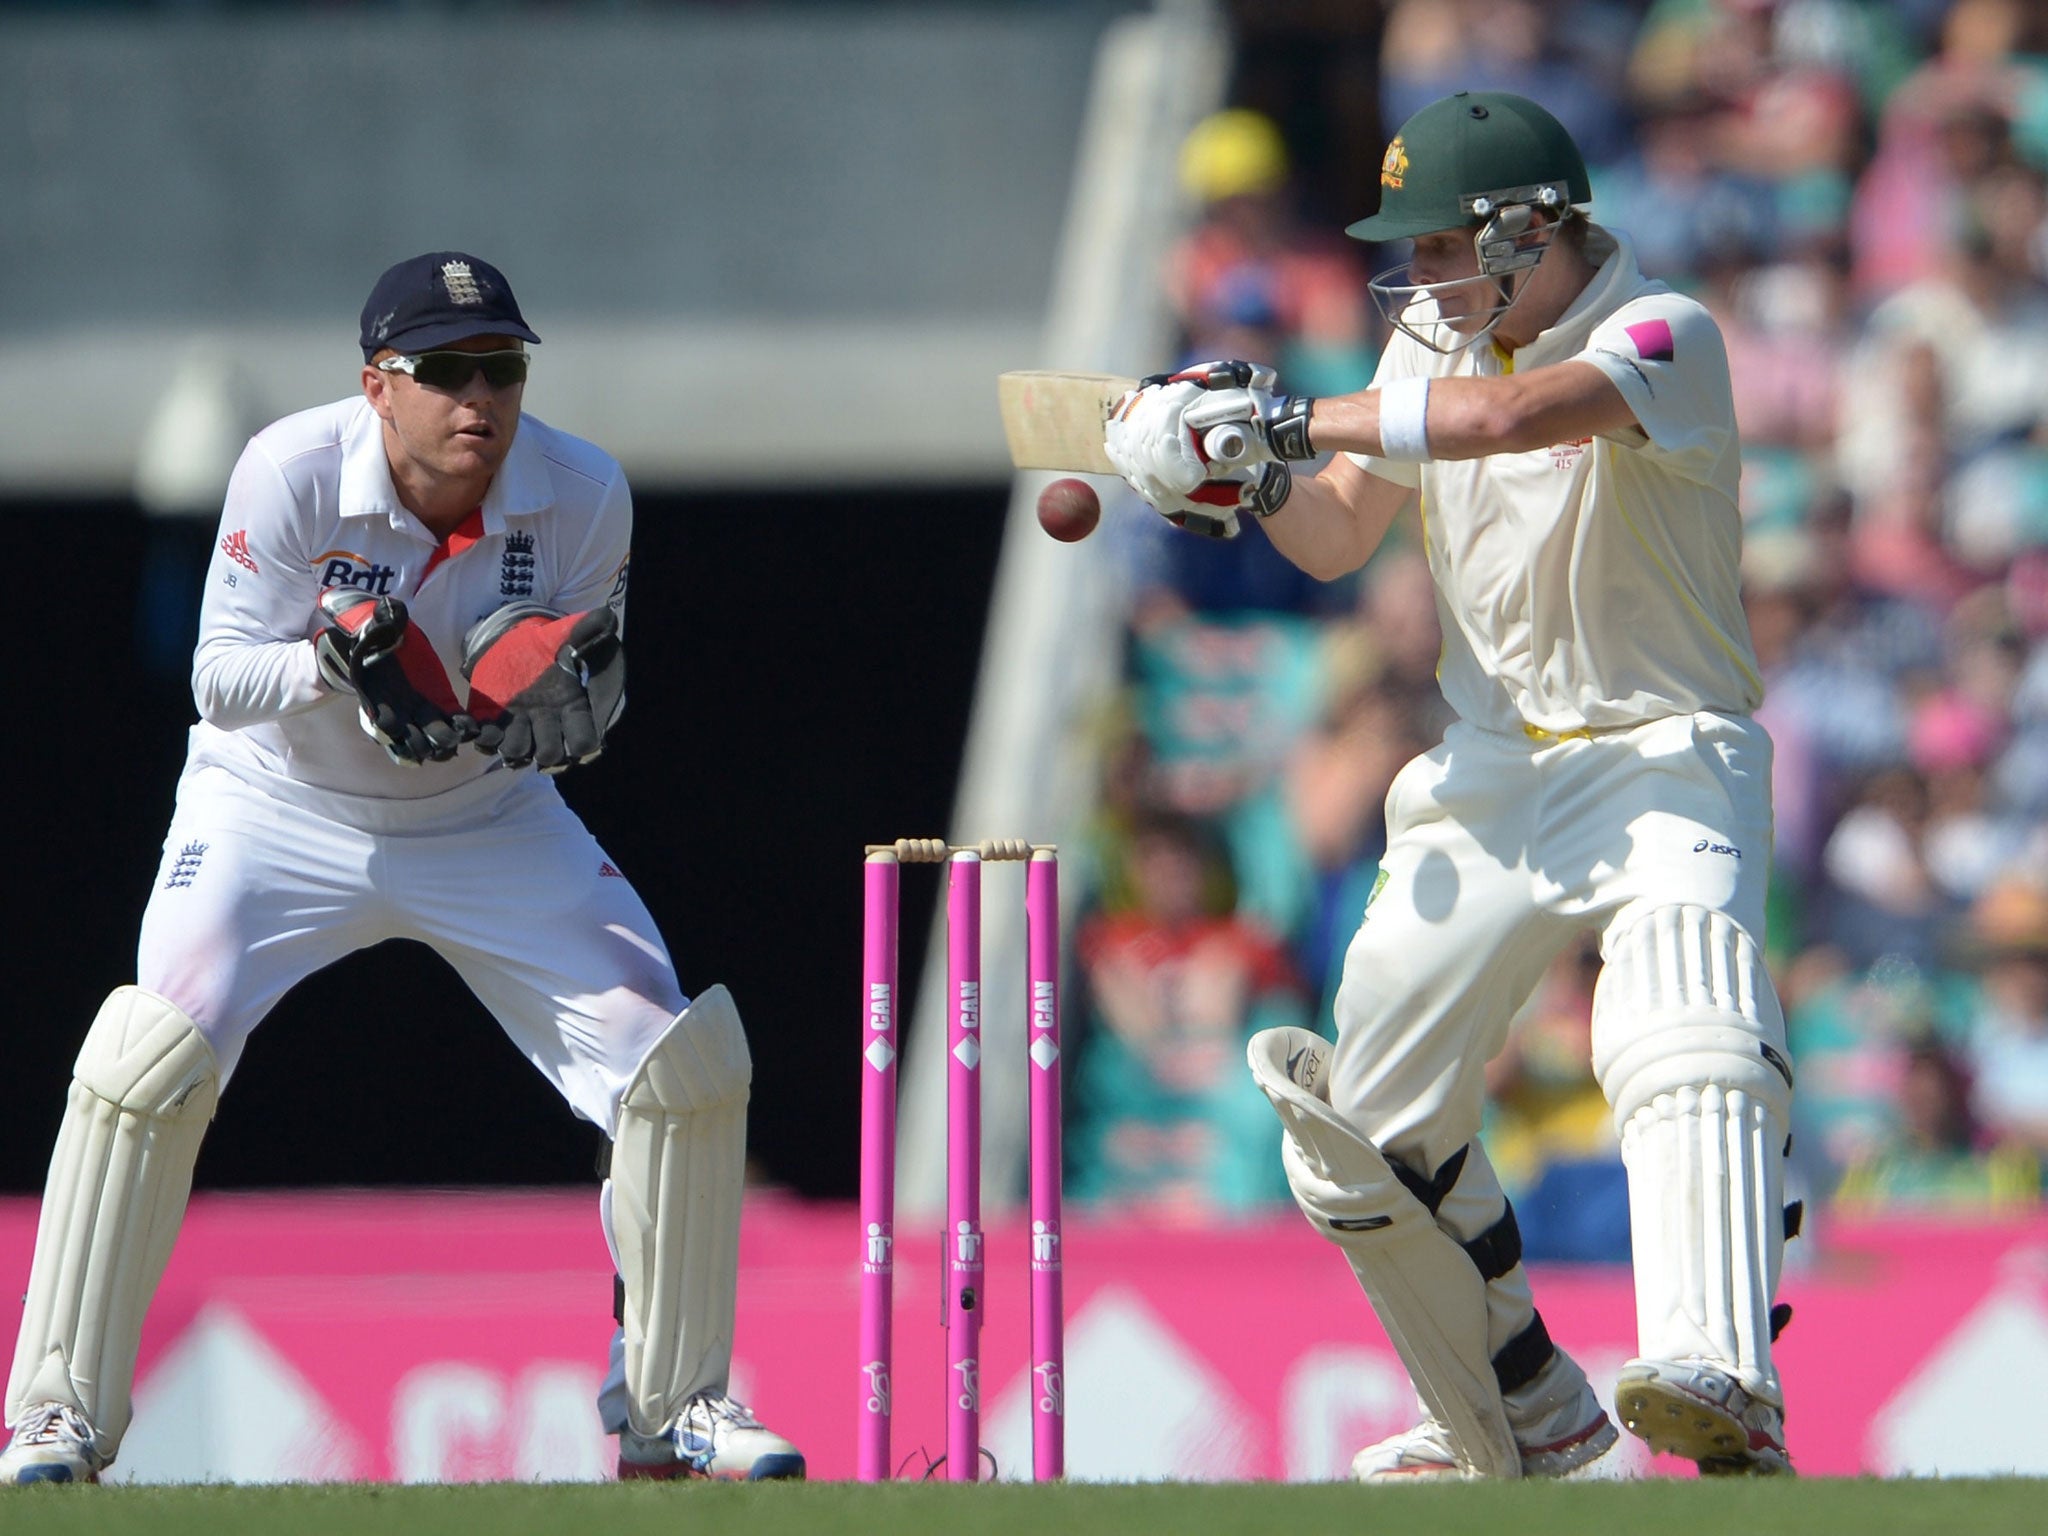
[1404, 420]
[1269, 492]
[1287, 429]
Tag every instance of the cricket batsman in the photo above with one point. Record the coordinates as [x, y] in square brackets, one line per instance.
[412, 622]
[1564, 426]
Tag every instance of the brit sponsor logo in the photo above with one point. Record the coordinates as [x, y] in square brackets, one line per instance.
[1708, 845]
[346, 568]
[617, 600]
[236, 547]
[605, 871]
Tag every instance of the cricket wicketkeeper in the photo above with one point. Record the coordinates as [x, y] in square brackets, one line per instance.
[416, 602]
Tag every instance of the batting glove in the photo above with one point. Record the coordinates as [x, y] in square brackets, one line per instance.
[1165, 460]
[1274, 427]
[369, 646]
[545, 687]
[1263, 488]
[1201, 519]
[1151, 447]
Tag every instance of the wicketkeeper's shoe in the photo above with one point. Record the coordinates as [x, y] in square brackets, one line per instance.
[1692, 1409]
[1558, 1423]
[715, 1437]
[52, 1444]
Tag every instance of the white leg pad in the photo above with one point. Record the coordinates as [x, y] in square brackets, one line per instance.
[1475, 1212]
[678, 1170]
[1429, 1296]
[1689, 1045]
[142, 1091]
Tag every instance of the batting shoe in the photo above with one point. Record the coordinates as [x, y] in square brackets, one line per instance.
[1692, 1409]
[52, 1444]
[1559, 1427]
[716, 1437]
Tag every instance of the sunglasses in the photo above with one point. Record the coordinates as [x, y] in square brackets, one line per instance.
[454, 370]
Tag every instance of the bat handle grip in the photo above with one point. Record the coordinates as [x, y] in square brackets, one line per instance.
[1228, 445]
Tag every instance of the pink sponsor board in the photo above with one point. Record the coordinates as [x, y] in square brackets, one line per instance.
[460, 1335]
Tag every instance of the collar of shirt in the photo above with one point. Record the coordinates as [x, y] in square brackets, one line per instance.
[522, 484]
[1616, 282]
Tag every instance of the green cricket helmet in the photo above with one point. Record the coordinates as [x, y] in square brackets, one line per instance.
[1487, 161]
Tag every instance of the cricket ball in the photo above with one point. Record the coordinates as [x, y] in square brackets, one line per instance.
[1069, 510]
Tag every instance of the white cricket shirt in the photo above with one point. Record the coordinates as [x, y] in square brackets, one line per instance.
[311, 506]
[1593, 584]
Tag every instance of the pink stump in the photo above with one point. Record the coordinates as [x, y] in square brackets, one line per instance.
[1048, 1346]
[877, 1163]
[963, 1264]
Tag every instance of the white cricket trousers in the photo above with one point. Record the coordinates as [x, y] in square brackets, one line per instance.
[1500, 852]
[263, 884]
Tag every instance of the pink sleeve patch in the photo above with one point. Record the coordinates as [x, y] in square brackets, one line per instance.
[1652, 339]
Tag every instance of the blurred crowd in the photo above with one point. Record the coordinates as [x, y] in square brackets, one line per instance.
[1858, 189]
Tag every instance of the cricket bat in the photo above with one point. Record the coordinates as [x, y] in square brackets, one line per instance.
[1054, 421]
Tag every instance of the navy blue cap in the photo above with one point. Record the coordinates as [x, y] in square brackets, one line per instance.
[443, 296]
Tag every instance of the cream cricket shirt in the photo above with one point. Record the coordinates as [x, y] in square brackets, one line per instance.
[1593, 584]
[311, 506]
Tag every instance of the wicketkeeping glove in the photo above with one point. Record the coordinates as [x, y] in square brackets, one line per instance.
[368, 646]
[543, 686]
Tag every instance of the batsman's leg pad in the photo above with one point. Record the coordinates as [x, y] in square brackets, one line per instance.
[1689, 1045]
[142, 1091]
[1473, 1208]
[1429, 1295]
[678, 1167]
[1549, 1408]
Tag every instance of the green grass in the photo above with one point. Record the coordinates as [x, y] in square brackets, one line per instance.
[1814, 1507]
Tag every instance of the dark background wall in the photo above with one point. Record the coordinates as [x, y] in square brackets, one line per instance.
[801, 669]
[764, 159]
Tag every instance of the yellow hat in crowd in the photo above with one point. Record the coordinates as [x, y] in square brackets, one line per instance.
[1232, 153]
